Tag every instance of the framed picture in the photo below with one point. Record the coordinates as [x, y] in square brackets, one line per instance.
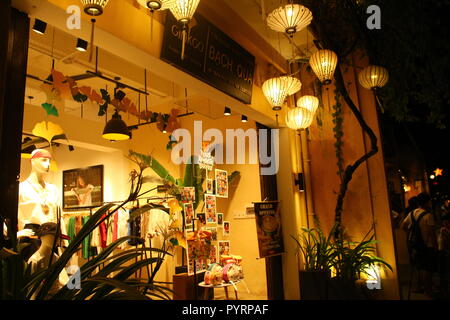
[221, 183]
[210, 208]
[226, 228]
[188, 194]
[220, 219]
[224, 248]
[188, 215]
[201, 217]
[83, 187]
[209, 186]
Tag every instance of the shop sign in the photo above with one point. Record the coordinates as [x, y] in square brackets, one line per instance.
[211, 56]
[268, 227]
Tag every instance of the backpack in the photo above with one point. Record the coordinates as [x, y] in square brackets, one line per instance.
[416, 244]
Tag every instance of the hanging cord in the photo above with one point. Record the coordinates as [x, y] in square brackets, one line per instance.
[145, 90]
[92, 40]
[183, 45]
[378, 100]
[151, 24]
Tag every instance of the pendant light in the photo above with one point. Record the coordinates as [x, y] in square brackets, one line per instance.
[155, 5]
[290, 18]
[293, 84]
[276, 90]
[227, 111]
[244, 119]
[299, 118]
[323, 63]
[373, 77]
[183, 11]
[94, 7]
[310, 103]
[116, 129]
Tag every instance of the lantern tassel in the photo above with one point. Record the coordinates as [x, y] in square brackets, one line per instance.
[183, 41]
[92, 40]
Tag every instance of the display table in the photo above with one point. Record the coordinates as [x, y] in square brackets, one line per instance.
[223, 285]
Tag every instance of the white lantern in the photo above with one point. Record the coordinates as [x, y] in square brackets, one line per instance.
[290, 18]
[323, 63]
[310, 103]
[299, 118]
[294, 85]
[276, 91]
[373, 77]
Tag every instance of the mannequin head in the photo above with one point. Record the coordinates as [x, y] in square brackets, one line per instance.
[40, 161]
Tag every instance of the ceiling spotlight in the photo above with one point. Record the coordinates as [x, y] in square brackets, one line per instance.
[227, 112]
[119, 95]
[82, 45]
[116, 129]
[39, 26]
[26, 153]
[244, 118]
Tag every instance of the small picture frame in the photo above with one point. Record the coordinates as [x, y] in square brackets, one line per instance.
[221, 183]
[209, 186]
[201, 217]
[224, 248]
[188, 194]
[226, 228]
[83, 187]
[220, 219]
[210, 208]
[188, 215]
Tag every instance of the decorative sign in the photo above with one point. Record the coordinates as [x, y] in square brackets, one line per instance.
[211, 56]
[268, 227]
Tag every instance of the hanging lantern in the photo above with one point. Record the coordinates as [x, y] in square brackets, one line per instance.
[323, 63]
[276, 91]
[290, 18]
[299, 118]
[183, 11]
[94, 7]
[293, 84]
[154, 5]
[310, 103]
[373, 77]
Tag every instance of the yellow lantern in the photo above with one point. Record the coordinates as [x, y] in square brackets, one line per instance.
[299, 118]
[294, 85]
[310, 103]
[323, 63]
[290, 18]
[276, 90]
[373, 77]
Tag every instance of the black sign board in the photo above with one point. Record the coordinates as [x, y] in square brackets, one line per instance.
[211, 56]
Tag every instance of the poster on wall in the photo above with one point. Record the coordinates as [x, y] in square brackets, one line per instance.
[220, 219]
[198, 252]
[268, 228]
[188, 194]
[188, 215]
[224, 248]
[226, 228]
[209, 186]
[221, 183]
[83, 187]
[210, 208]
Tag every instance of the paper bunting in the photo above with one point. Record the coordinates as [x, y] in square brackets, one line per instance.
[47, 130]
[61, 84]
[50, 109]
[172, 122]
[52, 95]
[102, 109]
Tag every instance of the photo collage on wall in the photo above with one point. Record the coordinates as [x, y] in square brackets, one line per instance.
[206, 245]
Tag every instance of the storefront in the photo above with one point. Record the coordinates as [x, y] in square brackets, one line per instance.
[70, 94]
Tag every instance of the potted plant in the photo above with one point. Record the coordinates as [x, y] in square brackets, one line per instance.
[318, 256]
[351, 260]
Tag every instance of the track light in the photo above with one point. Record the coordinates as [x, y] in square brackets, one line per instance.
[116, 129]
[39, 26]
[82, 45]
[244, 118]
[227, 112]
[119, 95]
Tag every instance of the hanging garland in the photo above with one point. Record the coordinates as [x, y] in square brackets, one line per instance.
[58, 87]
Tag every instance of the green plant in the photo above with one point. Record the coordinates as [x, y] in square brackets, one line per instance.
[355, 258]
[106, 276]
[317, 249]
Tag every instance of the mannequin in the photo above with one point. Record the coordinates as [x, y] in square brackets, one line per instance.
[38, 201]
[41, 258]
